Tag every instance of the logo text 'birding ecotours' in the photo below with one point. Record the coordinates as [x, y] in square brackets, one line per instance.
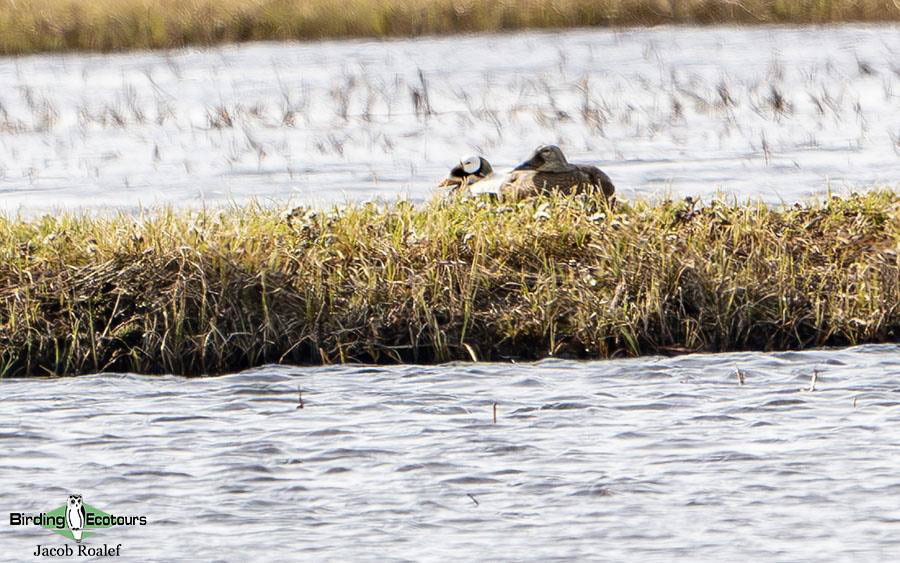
[75, 520]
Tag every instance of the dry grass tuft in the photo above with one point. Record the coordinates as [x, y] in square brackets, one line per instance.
[29, 26]
[211, 292]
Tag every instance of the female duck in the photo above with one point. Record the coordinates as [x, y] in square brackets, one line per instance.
[548, 170]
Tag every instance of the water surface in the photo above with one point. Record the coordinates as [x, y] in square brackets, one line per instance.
[642, 459]
[776, 113]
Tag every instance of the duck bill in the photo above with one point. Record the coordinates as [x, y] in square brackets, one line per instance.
[455, 179]
[451, 183]
[531, 164]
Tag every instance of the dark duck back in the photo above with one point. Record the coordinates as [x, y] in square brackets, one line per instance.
[548, 170]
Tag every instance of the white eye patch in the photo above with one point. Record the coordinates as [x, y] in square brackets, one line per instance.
[471, 165]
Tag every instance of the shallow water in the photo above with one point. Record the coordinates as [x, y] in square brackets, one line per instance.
[644, 459]
[776, 113]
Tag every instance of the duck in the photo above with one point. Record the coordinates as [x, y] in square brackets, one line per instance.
[467, 173]
[548, 170]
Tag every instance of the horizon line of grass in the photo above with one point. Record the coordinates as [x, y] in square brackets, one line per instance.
[36, 26]
[207, 292]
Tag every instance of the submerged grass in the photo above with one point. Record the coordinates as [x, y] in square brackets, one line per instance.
[209, 292]
[29, 26]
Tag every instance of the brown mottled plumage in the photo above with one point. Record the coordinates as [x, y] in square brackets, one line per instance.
[548, 170]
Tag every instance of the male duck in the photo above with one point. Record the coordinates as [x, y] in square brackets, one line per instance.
[467, 173]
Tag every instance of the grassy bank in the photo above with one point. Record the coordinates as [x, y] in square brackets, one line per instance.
[30, 26]
[219, 291]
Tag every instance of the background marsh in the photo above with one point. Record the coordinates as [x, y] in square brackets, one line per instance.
[29, 26]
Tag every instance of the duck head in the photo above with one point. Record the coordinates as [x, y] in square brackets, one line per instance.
[467, 171]
[545, 158]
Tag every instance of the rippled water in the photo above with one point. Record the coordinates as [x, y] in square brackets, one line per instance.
[645, 459]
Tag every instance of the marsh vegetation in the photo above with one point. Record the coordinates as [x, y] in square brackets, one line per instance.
[215, 291]
[29, 26]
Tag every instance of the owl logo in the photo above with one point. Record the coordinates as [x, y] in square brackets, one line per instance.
[75, 515]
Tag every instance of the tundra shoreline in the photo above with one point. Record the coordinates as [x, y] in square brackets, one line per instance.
[35, 26]
[207, 292]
